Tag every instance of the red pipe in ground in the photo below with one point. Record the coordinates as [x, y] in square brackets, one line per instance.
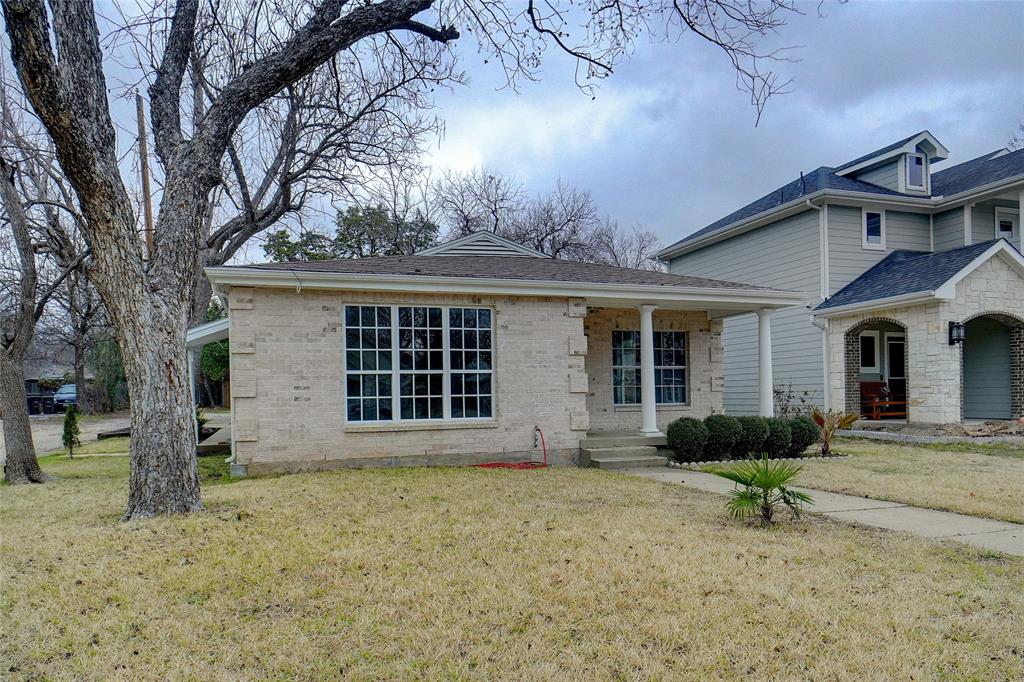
[521, 465]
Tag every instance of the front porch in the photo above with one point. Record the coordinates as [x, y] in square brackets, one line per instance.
[650, 365]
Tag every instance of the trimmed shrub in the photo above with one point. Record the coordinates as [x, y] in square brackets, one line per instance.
[687, 437]
[755, 432]
[804, 434]
[723, 432]
[779, 437]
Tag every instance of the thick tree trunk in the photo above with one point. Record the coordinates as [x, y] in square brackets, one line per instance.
[21, 466]
[164, 471]
[84, 403]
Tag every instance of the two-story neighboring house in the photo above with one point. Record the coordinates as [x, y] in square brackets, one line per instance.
[914, 283]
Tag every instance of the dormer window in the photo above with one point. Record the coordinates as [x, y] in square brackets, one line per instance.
[917, 168]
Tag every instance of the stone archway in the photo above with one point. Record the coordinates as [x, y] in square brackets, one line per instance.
[852, 357]
[975, 390]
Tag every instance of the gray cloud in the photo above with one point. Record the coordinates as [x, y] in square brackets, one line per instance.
[669, 142]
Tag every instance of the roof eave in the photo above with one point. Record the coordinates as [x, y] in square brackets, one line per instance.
[942, 202]
[875, 304]
[720, 296]
[777, 213]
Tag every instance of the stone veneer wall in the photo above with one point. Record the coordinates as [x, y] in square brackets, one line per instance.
[934, 367]
[288, 392]
[705, 383]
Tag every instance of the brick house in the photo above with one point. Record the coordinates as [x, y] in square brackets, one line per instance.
[460, 353]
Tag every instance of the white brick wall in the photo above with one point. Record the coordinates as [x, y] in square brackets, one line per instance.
[704, 373]
[934, 365]
[288, 391]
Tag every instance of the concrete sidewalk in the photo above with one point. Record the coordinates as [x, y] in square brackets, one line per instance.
[985, 533]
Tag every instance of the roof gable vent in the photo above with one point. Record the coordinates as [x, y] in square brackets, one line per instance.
[481, 244]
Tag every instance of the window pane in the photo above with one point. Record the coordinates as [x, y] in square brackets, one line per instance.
[873, 227]
[868, 358]
[367, 355]
[1005, 227]
[915, 171]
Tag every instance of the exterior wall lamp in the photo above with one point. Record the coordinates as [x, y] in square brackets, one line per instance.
[957, 333]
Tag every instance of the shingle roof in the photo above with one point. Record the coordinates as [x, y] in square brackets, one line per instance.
[503, 267]
[977, 172]
[821, 178]
[906, 272]
[879, 152]
[954, 180]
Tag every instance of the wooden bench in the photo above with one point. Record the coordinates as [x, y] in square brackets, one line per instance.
[875, 403]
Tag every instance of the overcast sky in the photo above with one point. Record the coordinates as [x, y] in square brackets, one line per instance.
[670, 143]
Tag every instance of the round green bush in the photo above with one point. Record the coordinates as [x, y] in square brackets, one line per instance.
[687, 437]
[804, 434]
[779, 437]
[755, 432]
[723, 432]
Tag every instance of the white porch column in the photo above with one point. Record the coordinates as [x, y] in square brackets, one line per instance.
[764, 365]
[190, 358]
[649, 423]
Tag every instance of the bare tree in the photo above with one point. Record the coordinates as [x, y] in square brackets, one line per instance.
[632, 248]
[1017, 140]
[481, 200]
[56, 50]
[38, 256]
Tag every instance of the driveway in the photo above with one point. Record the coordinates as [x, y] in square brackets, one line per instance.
[46, 431]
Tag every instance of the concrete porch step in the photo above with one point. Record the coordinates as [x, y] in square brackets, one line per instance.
[624, 457]
[610, 463]
[614, 439]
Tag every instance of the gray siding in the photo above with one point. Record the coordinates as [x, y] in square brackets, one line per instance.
[848, 259]
[949, 229]
[983, 223]
[784, 255]
[884, 176]
[986, 370]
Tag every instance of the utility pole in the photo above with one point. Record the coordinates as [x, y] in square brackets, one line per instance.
[147, 207]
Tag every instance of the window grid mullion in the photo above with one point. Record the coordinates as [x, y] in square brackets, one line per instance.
[446, 364]
[396, 376]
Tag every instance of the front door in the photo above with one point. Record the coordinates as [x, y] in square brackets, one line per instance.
[896, 365]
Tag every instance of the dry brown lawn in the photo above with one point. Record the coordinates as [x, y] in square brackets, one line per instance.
[988, 482]
[473, 574]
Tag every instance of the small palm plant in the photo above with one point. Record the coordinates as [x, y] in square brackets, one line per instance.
[763, 485]
[830, 422]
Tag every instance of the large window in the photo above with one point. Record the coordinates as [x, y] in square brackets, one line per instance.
[439, 368]
[669, 367]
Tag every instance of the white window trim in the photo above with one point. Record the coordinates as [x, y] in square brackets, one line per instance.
[395, 371]
[905, 173]
[1013, 214]
[685, 367]
[864, 369]
[864, 229]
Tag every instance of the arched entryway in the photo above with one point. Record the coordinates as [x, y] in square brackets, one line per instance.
[877, 368]
[992, 367]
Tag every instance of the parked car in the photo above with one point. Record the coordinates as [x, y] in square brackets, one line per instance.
[65, 395]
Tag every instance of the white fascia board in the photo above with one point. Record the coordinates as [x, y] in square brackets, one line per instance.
[209, 332]
[1002, 248]
[909, 148]
[888, 302]
[793, 207]
[718, 297]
